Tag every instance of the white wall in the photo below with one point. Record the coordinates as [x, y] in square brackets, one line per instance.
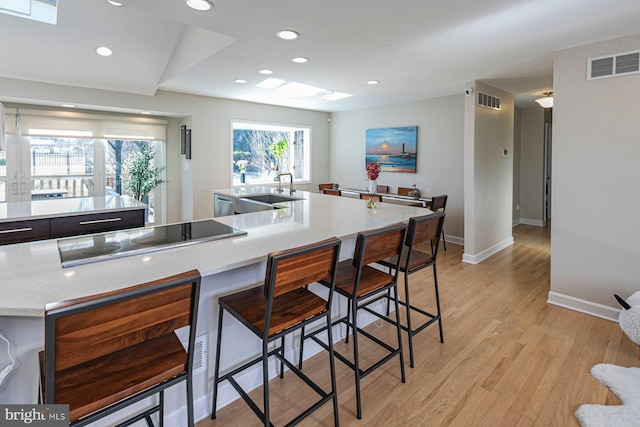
[532, 166]
[440, 151]
[488, 179]
[209, 120]
[596, 171]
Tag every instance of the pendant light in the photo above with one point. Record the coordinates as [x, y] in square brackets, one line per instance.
[546, 101]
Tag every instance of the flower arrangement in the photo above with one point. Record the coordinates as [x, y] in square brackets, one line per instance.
[373, 171]
[242, 165]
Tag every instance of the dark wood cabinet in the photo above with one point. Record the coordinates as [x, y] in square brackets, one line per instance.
[73, 225]
[23, 231]
[95, 223]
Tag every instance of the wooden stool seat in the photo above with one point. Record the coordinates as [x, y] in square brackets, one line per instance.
[251, 305]
[371, 279]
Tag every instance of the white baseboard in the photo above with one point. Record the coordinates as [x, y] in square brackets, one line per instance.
[455, 240]
[584, 306]
[475, 259]
[515, 222]
[536, 222]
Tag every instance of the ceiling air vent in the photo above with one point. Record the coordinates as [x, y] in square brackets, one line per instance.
[489, 101]
[613, 65]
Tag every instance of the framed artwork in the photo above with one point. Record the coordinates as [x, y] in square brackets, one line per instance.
[187, 144]
[183, 139]
[394, 149]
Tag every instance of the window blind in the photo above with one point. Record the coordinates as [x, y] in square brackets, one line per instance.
[67, 124]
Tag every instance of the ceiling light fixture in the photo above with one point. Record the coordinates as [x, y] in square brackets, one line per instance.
[104, 51]
[241, 81]
[287, 35]
[373, 82]
[546, 101]
[115, 3]
[300, 60]
[265, 71]
[200, 5]
[68, 106]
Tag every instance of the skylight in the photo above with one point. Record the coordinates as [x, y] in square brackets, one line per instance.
[38, 10]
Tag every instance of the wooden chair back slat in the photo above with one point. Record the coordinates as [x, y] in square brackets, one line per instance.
[323, 186]
[427, 228]
[439, 203]
[404, 191]
[90, 333]
[331, 192]
[294, 269]
[374, 197]
[375, 245]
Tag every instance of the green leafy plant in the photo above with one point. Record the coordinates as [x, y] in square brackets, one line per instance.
[278, 149]
[142, 174]
[242, 165]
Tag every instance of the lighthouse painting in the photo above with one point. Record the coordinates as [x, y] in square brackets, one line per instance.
[394, 149]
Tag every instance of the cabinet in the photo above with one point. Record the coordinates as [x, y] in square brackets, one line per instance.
[73, 225]
[23, 231]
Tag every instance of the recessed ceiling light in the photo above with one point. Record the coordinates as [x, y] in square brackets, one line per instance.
[104, 51]
[241, 81]
[300, 60]
[146, 113]
[114, 3]
[265, 71]
[201, 5]
[68, 105]
[287, 35]
[373, 82]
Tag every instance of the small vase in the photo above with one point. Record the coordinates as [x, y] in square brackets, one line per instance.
[372, 186]
[243, 178]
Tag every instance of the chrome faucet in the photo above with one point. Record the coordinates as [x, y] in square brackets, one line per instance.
[279, 179]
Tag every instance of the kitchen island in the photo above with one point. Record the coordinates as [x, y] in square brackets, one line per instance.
[31, 275]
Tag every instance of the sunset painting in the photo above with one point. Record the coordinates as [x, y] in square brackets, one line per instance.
[394, 149]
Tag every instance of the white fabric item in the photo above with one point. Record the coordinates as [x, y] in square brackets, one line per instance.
[625, 384]
[630, 319]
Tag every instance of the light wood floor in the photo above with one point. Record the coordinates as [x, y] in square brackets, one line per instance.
[509, 358]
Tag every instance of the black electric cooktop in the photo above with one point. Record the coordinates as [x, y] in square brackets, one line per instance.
[116, 244]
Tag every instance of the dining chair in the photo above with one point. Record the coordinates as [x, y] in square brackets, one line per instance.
[331, 192]
[439, 204]
[323, 186]
[404, 191]
[362, 285]
[382, 189]
[108, 351]
[422, 230]
[281, 306]
[374, 197]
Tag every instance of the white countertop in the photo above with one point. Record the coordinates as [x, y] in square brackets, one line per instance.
[31, 274]
[48, 208]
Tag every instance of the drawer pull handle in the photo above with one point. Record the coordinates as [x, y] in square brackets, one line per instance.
[16, 230]
[100, 221]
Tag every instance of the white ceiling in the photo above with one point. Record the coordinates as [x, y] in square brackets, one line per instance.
[417, 49]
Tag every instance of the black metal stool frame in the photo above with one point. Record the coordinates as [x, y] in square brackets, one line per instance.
[356, 302]
[278, 352]
[414, 237]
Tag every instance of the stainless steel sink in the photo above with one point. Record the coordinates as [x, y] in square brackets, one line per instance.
[272, 198]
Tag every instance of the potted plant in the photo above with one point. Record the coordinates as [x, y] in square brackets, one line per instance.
[278, 149]
[142, 174]
[242, 165]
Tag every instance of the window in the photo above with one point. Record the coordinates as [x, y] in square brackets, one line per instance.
[75, 154]
[256, 158]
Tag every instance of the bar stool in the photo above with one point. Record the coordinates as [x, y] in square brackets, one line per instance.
[105, 352]
[363, 285]
[281, 306]
[422, 229]
[439, 204]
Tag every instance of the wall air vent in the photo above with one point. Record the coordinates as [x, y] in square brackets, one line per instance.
[489, 101]
[620, 64]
